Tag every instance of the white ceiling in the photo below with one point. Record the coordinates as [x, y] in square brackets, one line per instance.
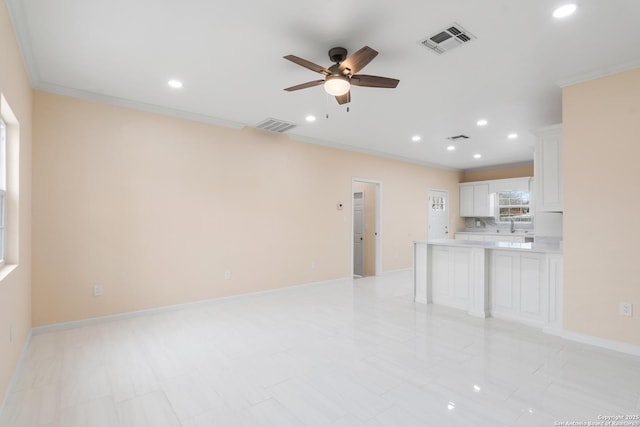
[229, 56]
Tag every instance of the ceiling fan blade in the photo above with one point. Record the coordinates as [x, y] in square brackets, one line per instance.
[373, 81]
[305, 85]
[358, 60]
[308, 64]
[344, 99]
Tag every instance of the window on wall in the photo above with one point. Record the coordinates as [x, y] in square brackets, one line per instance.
[514, 205]
[437, 204]
[3, 189]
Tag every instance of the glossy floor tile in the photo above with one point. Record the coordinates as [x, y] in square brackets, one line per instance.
[347, 353]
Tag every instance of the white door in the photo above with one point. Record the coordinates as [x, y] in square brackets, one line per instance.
[438, 214]
[358, 233]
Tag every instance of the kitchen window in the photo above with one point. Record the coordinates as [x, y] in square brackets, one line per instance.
[514, 205]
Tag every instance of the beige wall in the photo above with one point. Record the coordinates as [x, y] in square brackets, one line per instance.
[369, 190]
[156, 209]
[601, 175]
[497, 173]
[15, 288]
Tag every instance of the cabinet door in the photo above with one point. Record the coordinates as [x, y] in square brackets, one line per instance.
[482, 201]
[534, 293]
[466, 200]
[548, 170]
[505, 282]
[440, 273]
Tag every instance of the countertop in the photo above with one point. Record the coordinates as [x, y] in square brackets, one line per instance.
[525, 233]
[549, 246]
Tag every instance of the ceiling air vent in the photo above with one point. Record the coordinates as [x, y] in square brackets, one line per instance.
[275, 125]
[445, 40]
[458, 138]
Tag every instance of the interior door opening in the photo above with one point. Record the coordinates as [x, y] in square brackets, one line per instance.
[366, 236]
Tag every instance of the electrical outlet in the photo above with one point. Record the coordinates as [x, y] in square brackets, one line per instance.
[97, 290]
[626, 309]
[227, 275]
[313, 264]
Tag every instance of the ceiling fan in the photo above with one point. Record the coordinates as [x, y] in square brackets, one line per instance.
[343, 73]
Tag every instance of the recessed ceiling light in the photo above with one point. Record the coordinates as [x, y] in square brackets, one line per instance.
[416, 138]
[477, 156]
[482, 122]
[564, 11]
[512, 136]
[451, 147]
[176, 84]
[310, 118]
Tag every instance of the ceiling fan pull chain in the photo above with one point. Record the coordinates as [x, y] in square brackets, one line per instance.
[326, 105]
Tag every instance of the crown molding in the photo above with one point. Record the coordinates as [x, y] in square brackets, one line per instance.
[598, 73]
[136, 105]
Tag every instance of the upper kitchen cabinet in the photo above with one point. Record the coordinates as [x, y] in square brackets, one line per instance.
[548, 169]
[475, 200]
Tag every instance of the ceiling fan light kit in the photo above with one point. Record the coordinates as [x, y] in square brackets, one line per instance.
[337, 85]
[339, 77]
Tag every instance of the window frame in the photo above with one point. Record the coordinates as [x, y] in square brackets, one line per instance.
[511, 206]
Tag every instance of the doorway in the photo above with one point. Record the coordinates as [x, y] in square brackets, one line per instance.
[366, 236]
[438, 214]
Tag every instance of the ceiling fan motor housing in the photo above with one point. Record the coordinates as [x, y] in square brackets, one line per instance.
[337, 54]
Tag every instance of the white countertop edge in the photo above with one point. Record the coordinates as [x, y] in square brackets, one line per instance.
[518, 233]
[550, 247]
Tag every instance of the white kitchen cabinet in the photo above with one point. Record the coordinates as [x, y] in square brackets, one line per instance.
[555, 295]
[451, 273]
[519, 286]
[466, 200]
[548, 169]
[483, 205]
[475, 200]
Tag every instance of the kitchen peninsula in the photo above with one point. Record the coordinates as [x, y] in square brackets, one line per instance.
[515, 281]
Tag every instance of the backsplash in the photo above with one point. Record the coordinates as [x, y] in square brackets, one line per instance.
[490, 225]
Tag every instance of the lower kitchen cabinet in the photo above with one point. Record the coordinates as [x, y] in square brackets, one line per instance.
[519, 286]
[451, 269]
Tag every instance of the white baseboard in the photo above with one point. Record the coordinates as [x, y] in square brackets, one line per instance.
[518, 319]
[14, 377]
[399, 270]
[479, 313]
[601, 342]
[167, 308]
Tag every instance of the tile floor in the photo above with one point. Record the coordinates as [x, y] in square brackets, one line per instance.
[348, 353]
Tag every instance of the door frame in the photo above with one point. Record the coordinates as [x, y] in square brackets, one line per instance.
[448, 207]
[363, 248]
[378, 222]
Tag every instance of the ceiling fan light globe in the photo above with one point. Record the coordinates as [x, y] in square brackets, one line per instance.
[337, 85]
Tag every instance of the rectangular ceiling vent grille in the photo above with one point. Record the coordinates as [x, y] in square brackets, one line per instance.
[447, 39]
[458, 138]
[275, 125]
